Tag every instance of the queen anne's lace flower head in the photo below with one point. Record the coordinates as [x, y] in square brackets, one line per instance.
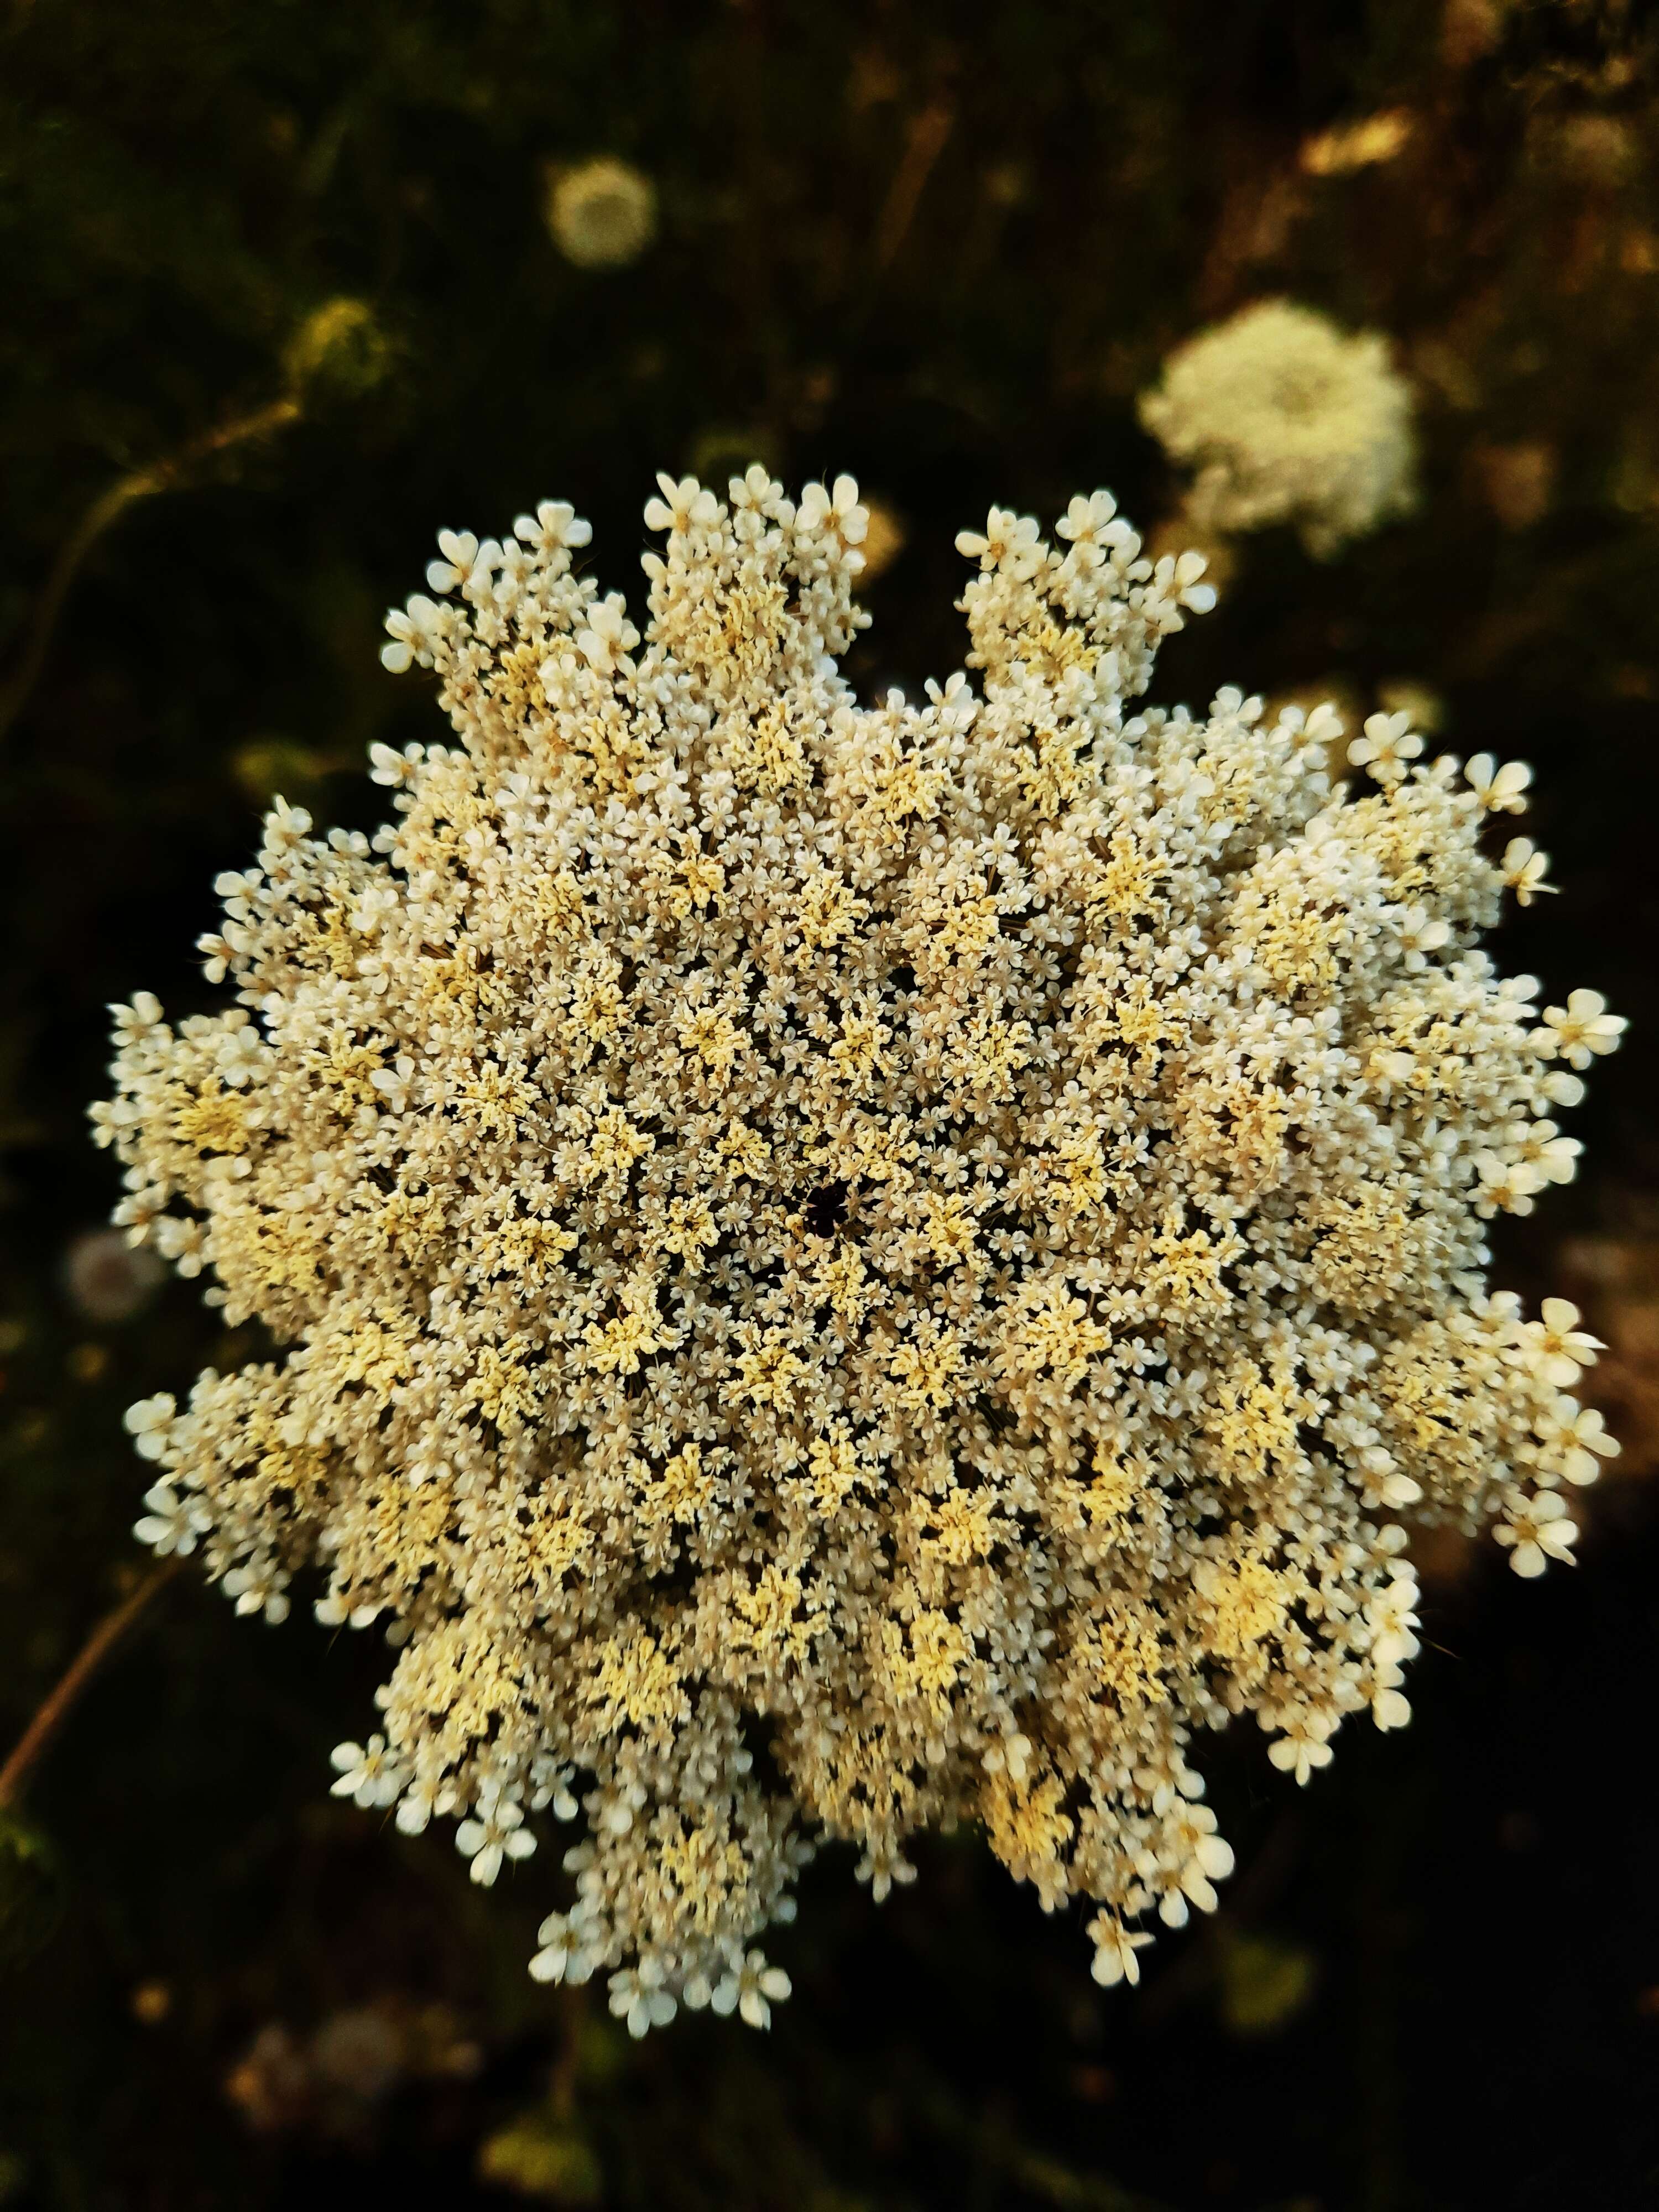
[1284, 418]
[840, 1268]
[602, 214]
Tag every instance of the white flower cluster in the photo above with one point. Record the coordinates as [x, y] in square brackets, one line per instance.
[1284, 418]
[603, 214]
[841, 1269]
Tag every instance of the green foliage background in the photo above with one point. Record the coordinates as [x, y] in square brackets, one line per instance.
[943, 246]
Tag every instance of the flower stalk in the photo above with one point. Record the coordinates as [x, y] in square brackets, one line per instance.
[60, 1701]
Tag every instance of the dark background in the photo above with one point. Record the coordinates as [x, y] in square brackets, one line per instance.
[943, 247]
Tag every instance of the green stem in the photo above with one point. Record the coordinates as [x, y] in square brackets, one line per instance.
[106, 509]
[55, 1708]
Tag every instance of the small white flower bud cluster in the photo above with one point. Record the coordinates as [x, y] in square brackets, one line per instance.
[603, 214]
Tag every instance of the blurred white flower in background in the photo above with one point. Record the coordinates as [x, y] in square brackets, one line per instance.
[603, 215]
[1284, 418]
[108, 1279]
